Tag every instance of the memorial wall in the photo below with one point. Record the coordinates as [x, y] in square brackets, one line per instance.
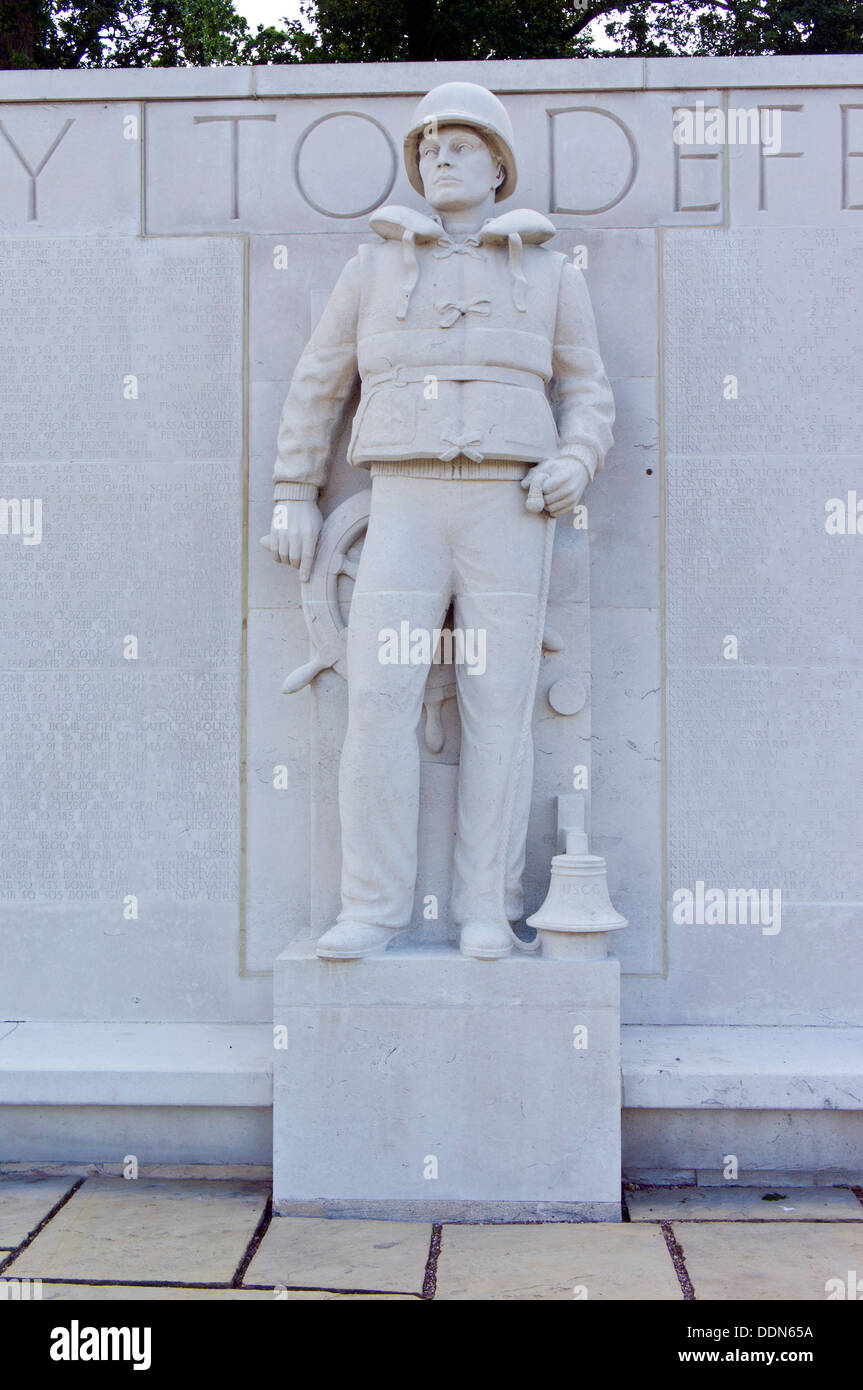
[169, 239]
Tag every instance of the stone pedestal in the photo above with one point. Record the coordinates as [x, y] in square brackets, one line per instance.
[420, 1085]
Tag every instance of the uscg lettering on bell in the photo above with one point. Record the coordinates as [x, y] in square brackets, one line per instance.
[577, 899]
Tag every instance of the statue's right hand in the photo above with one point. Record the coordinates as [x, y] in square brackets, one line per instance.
[294, 535]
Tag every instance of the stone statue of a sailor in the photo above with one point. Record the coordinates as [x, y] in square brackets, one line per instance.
[485, 412]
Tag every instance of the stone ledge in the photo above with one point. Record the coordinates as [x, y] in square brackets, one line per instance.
[199, 1172]
[125, 84]
[802, 70]
[200, 1064]
[414, 79]
[665, 1068]
[681, 1068]
[564, 75]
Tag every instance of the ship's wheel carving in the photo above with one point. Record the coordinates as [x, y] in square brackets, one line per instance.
[326, 608]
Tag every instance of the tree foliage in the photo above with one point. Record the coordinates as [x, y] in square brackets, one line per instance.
[738, 27]
[120, 33]
[171, 33]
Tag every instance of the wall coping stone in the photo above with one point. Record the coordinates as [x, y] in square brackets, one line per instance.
[508, 77]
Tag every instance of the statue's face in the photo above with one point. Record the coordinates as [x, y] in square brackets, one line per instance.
[457, 167]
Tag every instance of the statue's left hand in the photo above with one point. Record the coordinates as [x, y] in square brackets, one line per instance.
[556, 485]
[294, 535]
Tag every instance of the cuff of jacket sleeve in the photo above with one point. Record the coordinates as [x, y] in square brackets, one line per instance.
[295, 492]
[586, 456]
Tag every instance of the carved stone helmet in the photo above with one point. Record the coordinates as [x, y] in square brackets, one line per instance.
[463, 103]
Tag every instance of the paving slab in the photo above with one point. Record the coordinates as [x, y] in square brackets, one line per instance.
[133, 1293]
[306, 1295]
[385, 1256]
[560, 1261]
[24, 1202]
[781, 1203]
[807, 1261]
[147, 1230]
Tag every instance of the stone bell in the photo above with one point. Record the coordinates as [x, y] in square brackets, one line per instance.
[577, 912]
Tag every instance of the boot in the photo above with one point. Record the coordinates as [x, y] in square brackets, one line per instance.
[351, 940]
[486, 940]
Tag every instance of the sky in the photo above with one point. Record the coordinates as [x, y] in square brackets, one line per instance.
[267, 11]
[274, 11]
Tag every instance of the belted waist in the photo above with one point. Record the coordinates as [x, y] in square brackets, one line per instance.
[504, 415]
[467, 469]
[503, 376]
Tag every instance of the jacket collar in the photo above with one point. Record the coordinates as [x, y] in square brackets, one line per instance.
[511, 229]
[394, 221]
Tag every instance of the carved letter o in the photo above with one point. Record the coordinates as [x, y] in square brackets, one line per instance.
[379, 198]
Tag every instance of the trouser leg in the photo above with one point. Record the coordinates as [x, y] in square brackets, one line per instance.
[380, 774]
[517, 849]
[498, 562]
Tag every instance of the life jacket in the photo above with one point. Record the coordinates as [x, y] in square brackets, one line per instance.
[455, 339]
